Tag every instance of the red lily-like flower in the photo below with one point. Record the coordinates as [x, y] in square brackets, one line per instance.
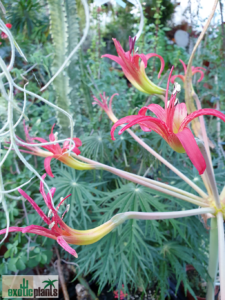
[171, 123]
[135, 72]
[55, 151]
[3, 34]
[105, 106]
[58, 230]
[194, 71]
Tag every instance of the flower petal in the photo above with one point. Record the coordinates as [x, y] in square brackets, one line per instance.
[157, 125]
[114, 58]
[177, 76]
[188, 142]
[161, 59]
[51, 135]
[40, 231]
[201, 112]
[156, 109]
[121, 122]
[35, 206]
[77, 141]
[47, 166]
[31, 229]
[184, 66]
[48, 147]
[198, 71]
[180, 114]
[64, 245]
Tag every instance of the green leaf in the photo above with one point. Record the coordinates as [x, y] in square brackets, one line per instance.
[20, 265]
[12, 264]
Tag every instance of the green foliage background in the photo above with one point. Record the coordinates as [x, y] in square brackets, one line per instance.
[138, 254]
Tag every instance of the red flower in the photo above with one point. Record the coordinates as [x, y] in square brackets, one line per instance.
[3, 35]
[171, 123]
[58, 230]
[105, 106]
[134, 71]
[55, 151]
[122, 295]
[194, 71]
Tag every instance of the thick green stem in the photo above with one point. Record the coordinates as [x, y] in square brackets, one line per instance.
[220, 224]
[210, 174]
[213, 259]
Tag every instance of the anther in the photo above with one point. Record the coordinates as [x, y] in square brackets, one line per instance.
[56, 136]
[49, 213]
[177, 88]
[51, 225]
[67, 209]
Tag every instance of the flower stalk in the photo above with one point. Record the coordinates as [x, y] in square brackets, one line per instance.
[209, 175]
[152, 184]
[213, 259]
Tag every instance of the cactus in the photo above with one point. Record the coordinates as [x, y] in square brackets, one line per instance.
[65, 33]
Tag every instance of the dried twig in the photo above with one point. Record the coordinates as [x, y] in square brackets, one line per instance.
[61, 277]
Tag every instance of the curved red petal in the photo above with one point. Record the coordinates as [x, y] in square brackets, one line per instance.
[114, 58]
[201, 112]
[47, 166]
[167, 89]
[51, 135]
[77, 141]
[161, 59]
[143, 58]
[156, 109]
[199, 71]
[188, 142]
[199, 68]
[184, 66]
[35, 206]
[177, 76]
[31, 229]
[157, 125]
[64, 245]
[121, 122]
[47, 147]
[111, 99]
[76, 151]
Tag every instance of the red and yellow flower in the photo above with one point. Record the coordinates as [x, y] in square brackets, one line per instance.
[171, 123]
[58, 230]
[194, 71]
[135, 71]
[55, 151]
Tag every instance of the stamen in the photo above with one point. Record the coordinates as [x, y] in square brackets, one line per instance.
[49, 213]
[67, 210]
[61, 201]
[177, 88]
[56, 136]
[51, 225]
[132, 43]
